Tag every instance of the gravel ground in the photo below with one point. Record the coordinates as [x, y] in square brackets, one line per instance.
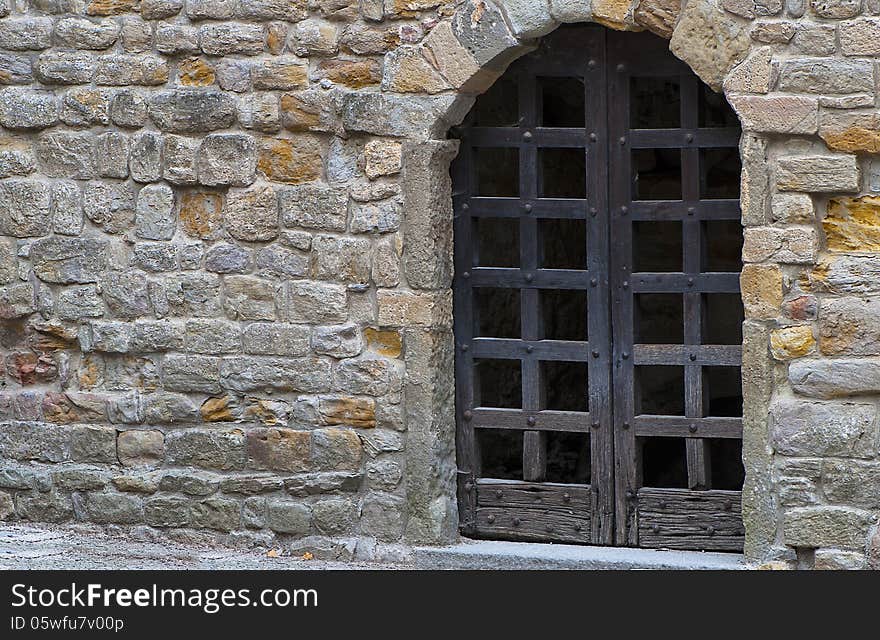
[58, 547]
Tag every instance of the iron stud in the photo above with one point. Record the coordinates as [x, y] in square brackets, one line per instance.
[692, 428]
[468, 415]
[499, 494]
[625, 425]
[528, 207]
[595, 353]
[595, 425]
[593, 282]
[490, 518]
[656, 528]
[693, 357]
[516, 522]
[527, 135]
[593, 137]
[531, 421]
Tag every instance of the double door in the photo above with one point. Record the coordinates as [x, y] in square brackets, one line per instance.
[597, 308]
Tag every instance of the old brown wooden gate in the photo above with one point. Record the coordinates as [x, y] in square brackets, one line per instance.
[597, 307]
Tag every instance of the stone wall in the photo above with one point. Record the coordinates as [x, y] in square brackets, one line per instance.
[226, 259]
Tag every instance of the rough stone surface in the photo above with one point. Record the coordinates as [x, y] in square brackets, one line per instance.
[226, 259]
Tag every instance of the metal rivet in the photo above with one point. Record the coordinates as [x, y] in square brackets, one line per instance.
[531, 421]
[529, 348]
[516, 522]
[691, 211]
[593, 211]
[549, 529]
[491, 518]
[591, 63]
[468, 486]
[529, 277]
[690, 282]
[693, 357]
[624, 210]
[566, 497]
[468, 415]
[577, 527]
[466, 275]
[499, 494]
[595, 353]
[528, 207]
[625, 355]
[622, 140]
[464, 347]
[593, 282]
[465, 206]
[710, 530]
[656, 528]
[527, 135]
[630, 494]
[689, 137]
[595, 425]
[593, 137]
[626, 284]
[625, 425]
[692, 428]
[621, 68]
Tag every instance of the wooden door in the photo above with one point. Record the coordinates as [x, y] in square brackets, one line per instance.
[597, 249]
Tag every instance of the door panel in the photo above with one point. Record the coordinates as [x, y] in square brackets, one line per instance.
[593, 229]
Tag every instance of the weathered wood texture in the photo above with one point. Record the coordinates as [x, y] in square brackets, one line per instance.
[533, 511]
[683, 519]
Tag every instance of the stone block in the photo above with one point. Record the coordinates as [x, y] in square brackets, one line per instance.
[804, 428]
[223, 450]
[288, 517]
[137, 448]
[777, 114]
[826, 526]
[250, 373]
[280, 449]
[816, 174]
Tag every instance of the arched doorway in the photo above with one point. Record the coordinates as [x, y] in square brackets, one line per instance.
[597, 307]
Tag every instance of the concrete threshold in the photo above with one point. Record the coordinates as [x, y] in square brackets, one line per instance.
[490, 554]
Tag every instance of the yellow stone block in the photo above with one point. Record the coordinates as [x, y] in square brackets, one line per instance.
[792, 342]
[853, 224]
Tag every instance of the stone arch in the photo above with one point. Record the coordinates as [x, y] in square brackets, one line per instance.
[469, 51]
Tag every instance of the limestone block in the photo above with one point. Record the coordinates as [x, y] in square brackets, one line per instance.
[816, 174]
[805, 428]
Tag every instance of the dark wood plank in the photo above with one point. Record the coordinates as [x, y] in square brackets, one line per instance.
[512, 348]
[683, 427]
[720, 355]
[683, 519]
[534, 456]
[501, 493]
[533, 524]
[543, 420]
[690, 138]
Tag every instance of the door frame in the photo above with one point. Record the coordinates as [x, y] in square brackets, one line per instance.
[614, 488]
